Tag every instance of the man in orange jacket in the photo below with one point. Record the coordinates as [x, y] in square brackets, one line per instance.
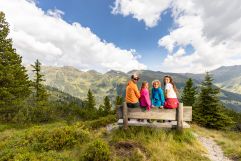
[132, 92]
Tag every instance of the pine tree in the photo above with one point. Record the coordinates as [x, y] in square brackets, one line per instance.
[107, 105]
[14, 82]
[118, 100]
[90, 102]
[189, 92]
[40, 93]
[101, 110]
[208, 110]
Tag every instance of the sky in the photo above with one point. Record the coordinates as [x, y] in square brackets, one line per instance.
[161, 35]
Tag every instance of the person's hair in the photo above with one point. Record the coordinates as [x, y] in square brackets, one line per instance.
[143, 85]
[159, 83]
[171, 81]
[135, 75]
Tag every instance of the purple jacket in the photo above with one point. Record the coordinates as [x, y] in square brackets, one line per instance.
[145, 99]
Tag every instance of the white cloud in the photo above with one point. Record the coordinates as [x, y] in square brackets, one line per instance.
[46, 36]
[55, 13]
[212, 28]
[148, 11]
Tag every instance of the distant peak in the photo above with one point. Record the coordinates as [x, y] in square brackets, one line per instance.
[93, 71]
[71, 68]
[228, 67]
[115, 72]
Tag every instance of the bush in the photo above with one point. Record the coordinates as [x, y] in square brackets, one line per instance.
[45, 143]
[49, 156]
[34, 114]
[56, 139]
[103, 121]
[97, 151]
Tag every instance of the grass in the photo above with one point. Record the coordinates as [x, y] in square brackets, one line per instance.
[230, 141]
[156, 144]
[63, 141]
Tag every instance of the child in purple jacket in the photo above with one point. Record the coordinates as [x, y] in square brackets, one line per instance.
[145, 97]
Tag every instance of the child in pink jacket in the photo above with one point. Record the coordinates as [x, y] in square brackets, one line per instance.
[145, 101]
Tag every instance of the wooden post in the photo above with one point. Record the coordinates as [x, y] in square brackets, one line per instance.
[180, 117]
[125, 117]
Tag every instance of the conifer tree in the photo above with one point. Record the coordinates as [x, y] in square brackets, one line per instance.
[90, 102]
[107, 105]
[40, 92]
[189, 92]
[118, 100]
[208, 110]
[14, 82]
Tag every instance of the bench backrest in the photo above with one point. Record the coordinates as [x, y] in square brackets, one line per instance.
[156, 113]
[160, 114]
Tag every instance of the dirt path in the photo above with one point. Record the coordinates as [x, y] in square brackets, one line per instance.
[215, 153]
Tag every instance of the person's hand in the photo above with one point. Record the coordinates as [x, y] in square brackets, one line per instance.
[152, 106]
[161, 107]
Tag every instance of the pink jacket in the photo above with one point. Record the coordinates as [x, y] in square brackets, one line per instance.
[145, 99]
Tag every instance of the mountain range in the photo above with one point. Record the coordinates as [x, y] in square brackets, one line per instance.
[112, 83]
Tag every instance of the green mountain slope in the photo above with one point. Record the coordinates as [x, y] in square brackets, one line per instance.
[58, 96]
[225, 77]
[76, 83]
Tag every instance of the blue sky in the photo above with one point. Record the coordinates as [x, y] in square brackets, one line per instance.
[169, 35]
[125, 32]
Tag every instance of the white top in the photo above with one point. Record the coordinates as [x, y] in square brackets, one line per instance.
[170, 91]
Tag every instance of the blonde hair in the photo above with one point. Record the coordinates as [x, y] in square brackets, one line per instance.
[156, 81]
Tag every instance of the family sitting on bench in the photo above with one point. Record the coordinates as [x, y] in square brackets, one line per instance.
[167, 99]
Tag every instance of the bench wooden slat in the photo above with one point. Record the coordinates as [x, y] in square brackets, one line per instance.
[159, 114]
[172, 124]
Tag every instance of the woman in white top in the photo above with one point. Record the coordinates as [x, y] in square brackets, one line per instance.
[171, 100]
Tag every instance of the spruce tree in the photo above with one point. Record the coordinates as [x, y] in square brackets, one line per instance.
[118, 100]
[189, 92]
[40, 93]
[107, 105]
[14, 82]
[90, 102]
[208, 110]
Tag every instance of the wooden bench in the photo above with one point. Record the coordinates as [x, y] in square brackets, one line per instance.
[176, 117]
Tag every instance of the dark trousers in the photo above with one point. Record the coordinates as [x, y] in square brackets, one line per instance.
[133, 105]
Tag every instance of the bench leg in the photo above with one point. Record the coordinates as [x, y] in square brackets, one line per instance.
[125, 116]
[180, 117]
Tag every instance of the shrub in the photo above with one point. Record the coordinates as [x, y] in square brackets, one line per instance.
[49, 156]
[34, 114]
[103, 121]
[45, 143]
[97, 151]
[56, 139]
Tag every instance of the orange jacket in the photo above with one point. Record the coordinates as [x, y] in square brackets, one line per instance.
[132, 92]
